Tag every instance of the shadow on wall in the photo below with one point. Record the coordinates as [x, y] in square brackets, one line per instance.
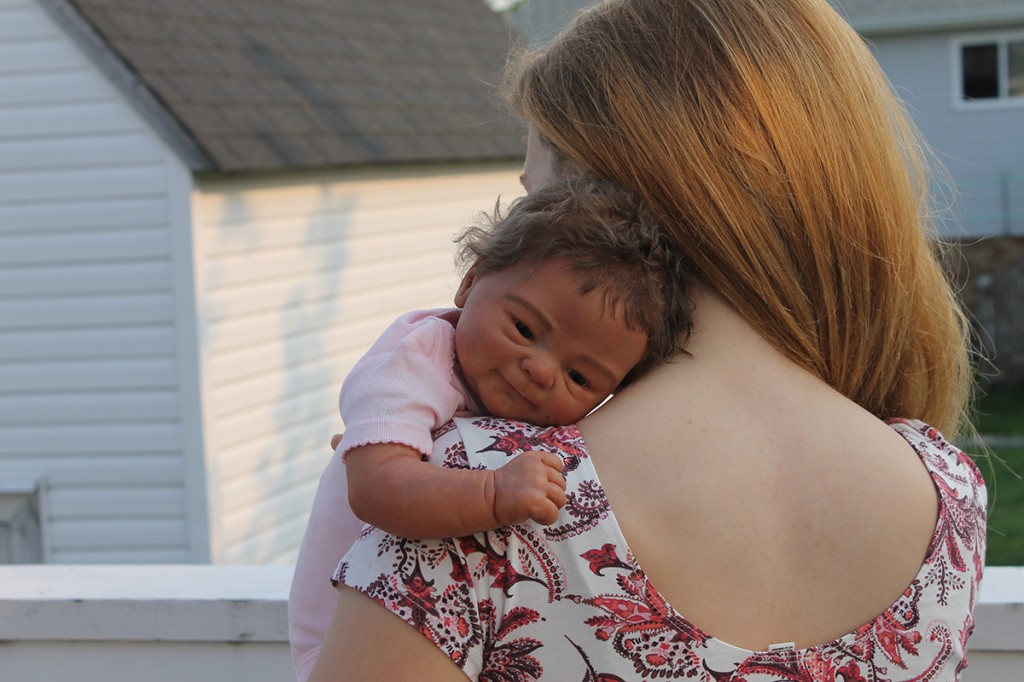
[273, 330]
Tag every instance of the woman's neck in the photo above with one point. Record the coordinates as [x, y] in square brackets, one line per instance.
[724, 343]
[732, 374]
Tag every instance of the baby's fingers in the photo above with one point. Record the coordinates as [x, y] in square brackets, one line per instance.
[550, 460]
[547, 513]
[557, 495]
[556, 478]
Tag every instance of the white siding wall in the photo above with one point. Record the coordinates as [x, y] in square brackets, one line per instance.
[981, 147]
[89, 400]
[296, 280]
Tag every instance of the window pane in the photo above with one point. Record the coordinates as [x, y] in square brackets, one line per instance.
[1015, 52]
[981, 71]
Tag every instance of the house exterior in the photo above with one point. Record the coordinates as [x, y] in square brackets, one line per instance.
[959, 66]
[208, 210]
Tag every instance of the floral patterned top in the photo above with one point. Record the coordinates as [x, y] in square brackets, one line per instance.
[569, 602]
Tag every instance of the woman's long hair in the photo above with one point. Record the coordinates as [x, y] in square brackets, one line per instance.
[766, 134]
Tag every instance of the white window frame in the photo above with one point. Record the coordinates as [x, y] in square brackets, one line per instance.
[1001, 39]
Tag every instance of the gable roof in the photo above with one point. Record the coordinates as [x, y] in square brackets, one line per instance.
[256, 85]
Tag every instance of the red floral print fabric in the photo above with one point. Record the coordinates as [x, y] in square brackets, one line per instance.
[570, 602]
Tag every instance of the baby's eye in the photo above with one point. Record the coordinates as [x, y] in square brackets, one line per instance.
[578, 378]
[524, 330]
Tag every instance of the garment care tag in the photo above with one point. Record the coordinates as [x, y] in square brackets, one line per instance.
[782, 646]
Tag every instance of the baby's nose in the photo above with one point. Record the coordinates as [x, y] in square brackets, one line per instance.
[540, 369]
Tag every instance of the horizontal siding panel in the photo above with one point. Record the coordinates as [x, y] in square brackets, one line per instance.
[303, 229]
[272, 418]
[291, 445]
[102, 470]
[277, 544]
[242, 269]
[39, 55]
[280, 487]
[85, 375]
[102, 246]
[271, 296]
[117, 555]
[26, 187]
[455, 215]
[271, 388]
[88, 408]
[71, 534]
[63, 313]
[320, 374]
[326, 347]
[103, 278]
[287, 502]
[78, 85]
[67, 120]
[73, 216]
[317, 315]
[232, 334]
[103, 438]
[326, 284]
[99, 150]
[158, 469]
[242, 201]
[22, 24]
[136, 502]
[79, 344]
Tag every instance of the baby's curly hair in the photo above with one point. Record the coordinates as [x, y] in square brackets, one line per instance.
[609, 239]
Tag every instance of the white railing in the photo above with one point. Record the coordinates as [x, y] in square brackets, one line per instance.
[64, 623]
[228, 623]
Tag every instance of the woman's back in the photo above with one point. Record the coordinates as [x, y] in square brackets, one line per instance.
[598, 596]
[794, 515]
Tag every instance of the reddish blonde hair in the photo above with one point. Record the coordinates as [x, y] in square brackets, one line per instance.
[765, 134]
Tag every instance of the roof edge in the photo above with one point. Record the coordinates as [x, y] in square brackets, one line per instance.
[924, 22]
[385, 169]
[128, 84]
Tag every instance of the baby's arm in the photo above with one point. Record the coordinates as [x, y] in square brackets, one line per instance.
[391, 487]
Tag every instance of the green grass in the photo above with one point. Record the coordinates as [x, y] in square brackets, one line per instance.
[1001, 413]
[1006, 507]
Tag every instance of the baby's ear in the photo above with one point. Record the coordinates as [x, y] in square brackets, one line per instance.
[468, 280]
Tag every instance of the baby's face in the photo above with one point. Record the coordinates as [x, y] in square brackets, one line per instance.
[532, 348]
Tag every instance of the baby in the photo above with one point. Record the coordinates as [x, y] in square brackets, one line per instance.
[570, 296]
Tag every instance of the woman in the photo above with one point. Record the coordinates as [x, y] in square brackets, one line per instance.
[763, 509]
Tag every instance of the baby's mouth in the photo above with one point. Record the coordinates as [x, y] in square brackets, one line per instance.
[511, 388]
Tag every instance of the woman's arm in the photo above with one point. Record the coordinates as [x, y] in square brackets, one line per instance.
[365, 642]
[391, 488]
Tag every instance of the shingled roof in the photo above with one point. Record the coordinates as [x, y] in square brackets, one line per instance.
[256, 85]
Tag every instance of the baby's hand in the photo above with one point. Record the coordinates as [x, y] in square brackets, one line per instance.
[531, 486]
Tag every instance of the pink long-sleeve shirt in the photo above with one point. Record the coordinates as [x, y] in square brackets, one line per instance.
[403, 389]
